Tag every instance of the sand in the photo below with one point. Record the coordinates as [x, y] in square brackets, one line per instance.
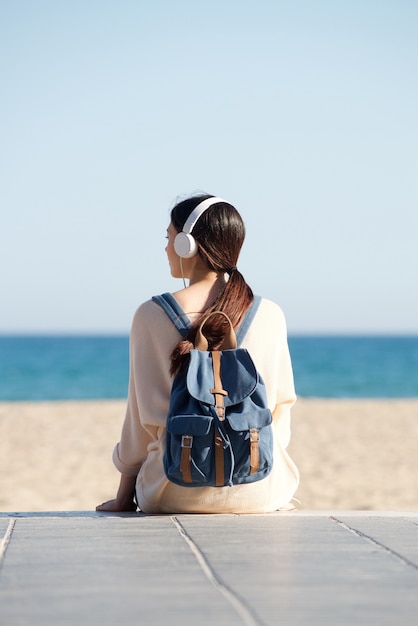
[352, 454]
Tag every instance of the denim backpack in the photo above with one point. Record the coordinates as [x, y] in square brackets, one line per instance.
[219, 425]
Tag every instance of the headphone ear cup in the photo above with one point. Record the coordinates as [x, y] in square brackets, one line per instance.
[185, 245]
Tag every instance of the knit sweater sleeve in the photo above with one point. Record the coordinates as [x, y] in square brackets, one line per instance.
[267, 343]
[285, 387]
[152, 339]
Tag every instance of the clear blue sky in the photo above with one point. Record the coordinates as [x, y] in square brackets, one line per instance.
[303, 114]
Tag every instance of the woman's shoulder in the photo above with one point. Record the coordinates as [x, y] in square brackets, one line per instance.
[268, 320]
[270, 309]
[148, 308]
[266, 336]
[149, 314]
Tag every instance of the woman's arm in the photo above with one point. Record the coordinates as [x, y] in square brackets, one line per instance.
[124, 500]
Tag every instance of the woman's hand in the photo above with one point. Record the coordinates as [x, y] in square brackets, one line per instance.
[116, 506]
[124, 500]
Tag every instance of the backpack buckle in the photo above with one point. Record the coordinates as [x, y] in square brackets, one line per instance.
[254, 435]
[220, 410]
[186, 441]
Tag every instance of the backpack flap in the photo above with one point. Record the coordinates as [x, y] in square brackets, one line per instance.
[239, 376]
[196, 425]
[250, 419]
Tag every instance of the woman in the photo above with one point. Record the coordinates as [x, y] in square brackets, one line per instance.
[205, 237]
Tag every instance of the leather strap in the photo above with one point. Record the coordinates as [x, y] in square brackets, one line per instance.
[219, 394]
[229, 342]
[219, 460]
[185, 459]
[254, 451]
[217, 390]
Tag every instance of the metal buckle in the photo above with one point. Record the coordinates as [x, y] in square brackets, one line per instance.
[254, 435]
[186, 441]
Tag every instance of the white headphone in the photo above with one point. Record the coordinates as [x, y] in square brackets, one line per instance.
[185, 244]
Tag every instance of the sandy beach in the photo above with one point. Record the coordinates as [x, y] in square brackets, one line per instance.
[352, 454]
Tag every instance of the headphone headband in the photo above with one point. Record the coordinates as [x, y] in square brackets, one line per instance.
[197, 212]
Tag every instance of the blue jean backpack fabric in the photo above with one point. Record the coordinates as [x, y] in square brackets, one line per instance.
[219, 425]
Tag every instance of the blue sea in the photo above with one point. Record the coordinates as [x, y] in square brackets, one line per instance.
[92, 367]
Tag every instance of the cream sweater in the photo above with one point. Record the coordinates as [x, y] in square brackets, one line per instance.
[141, 447]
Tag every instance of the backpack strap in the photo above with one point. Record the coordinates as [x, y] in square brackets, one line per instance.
[180, 320]
[247, 320]
[174, 311]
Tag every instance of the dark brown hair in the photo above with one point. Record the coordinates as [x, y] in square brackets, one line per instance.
[220, 233]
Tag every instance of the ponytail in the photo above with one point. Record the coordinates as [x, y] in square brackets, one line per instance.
[219, 233]
[233, 300]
